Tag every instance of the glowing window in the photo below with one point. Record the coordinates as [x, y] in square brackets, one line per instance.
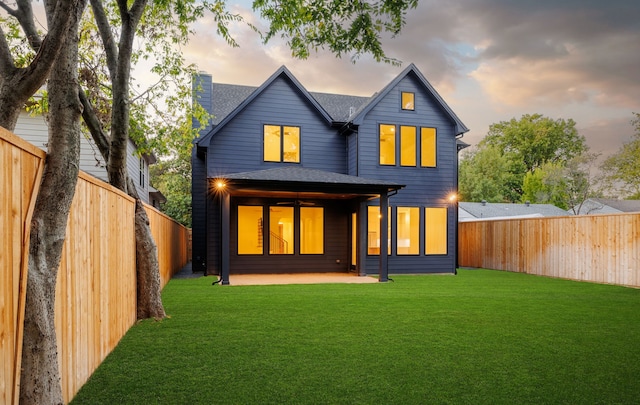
[387, 144]
[281, 144]
[291, 145]
[250, 230]
[408, 231]
[407, 146]
[435, 230]
[373, 230]
[311, 230]
[408, 101]
[280, 230]
[428, 147]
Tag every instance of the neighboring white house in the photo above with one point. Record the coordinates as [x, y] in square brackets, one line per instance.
[475, 211]
[592, 206]
[33, 128]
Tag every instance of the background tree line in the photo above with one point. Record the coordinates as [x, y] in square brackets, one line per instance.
[546, 161]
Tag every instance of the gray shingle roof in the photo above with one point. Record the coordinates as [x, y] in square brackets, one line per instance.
[493, 210]
[608, 206]
[299, 174]
[226, 97]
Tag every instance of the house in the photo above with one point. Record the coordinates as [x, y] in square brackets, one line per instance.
[592, 206]
[33, 128]
[472, 211]
[286, 180]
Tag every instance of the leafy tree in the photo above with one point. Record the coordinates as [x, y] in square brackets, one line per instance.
[523, 146]
[622, 170]
[21, 75]
[546, 185]
[486, 174]
[535, 140]
[344, 27]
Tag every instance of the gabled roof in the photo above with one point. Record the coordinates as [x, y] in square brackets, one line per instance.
[480, 210]
[411, 69]
[282, 72]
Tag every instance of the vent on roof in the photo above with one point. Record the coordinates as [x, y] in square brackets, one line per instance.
[352, 110]
[484, 202]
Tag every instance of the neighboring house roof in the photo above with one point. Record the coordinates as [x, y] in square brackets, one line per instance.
[305, 179]
[593, 206]
[474, 210]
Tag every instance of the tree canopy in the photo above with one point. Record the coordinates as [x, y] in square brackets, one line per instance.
[622, 169]
[535, 158]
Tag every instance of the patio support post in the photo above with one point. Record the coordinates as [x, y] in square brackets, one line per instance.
[383, 272]
[225, 206]
[362, 241]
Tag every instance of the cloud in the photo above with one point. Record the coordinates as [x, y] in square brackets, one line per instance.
[491, 60]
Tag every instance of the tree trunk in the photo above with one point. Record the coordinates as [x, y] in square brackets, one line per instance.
[40, 374]
[149, 304]
[147, 268]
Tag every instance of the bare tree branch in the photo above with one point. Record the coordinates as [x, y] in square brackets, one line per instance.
[108, 41]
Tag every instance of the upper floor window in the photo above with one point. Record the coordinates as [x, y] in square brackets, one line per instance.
[410, 146]
[408, 101]
[281, 144]
[428, 147]
[387, 144]
[407, 146]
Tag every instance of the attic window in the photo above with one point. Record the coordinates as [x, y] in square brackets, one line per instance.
[408, 101]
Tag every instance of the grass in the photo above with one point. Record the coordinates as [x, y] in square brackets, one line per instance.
[481, 337]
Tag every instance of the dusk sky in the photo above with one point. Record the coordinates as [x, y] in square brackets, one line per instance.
[491, 60]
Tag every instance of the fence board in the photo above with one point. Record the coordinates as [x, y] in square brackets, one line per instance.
[172, 240]
[21, 166]
[96, 286]
[597, 248]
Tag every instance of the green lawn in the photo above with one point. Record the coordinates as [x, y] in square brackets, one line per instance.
[481, 337]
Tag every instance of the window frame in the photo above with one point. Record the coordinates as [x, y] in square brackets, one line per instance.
[418, 220]
[301, 245]
[389, 230]
[414, 155]
[239, 236]
[282, 150]
[395, 141]
[289, 239]
[402, 100]
[427, 248]
[422, 147]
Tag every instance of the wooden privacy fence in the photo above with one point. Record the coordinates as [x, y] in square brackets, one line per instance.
[96, 289]
[596, 248]
[21, 166]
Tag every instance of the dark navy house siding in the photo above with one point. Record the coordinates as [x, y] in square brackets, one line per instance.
[425, 186]
[329, 144]
[238, 146]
